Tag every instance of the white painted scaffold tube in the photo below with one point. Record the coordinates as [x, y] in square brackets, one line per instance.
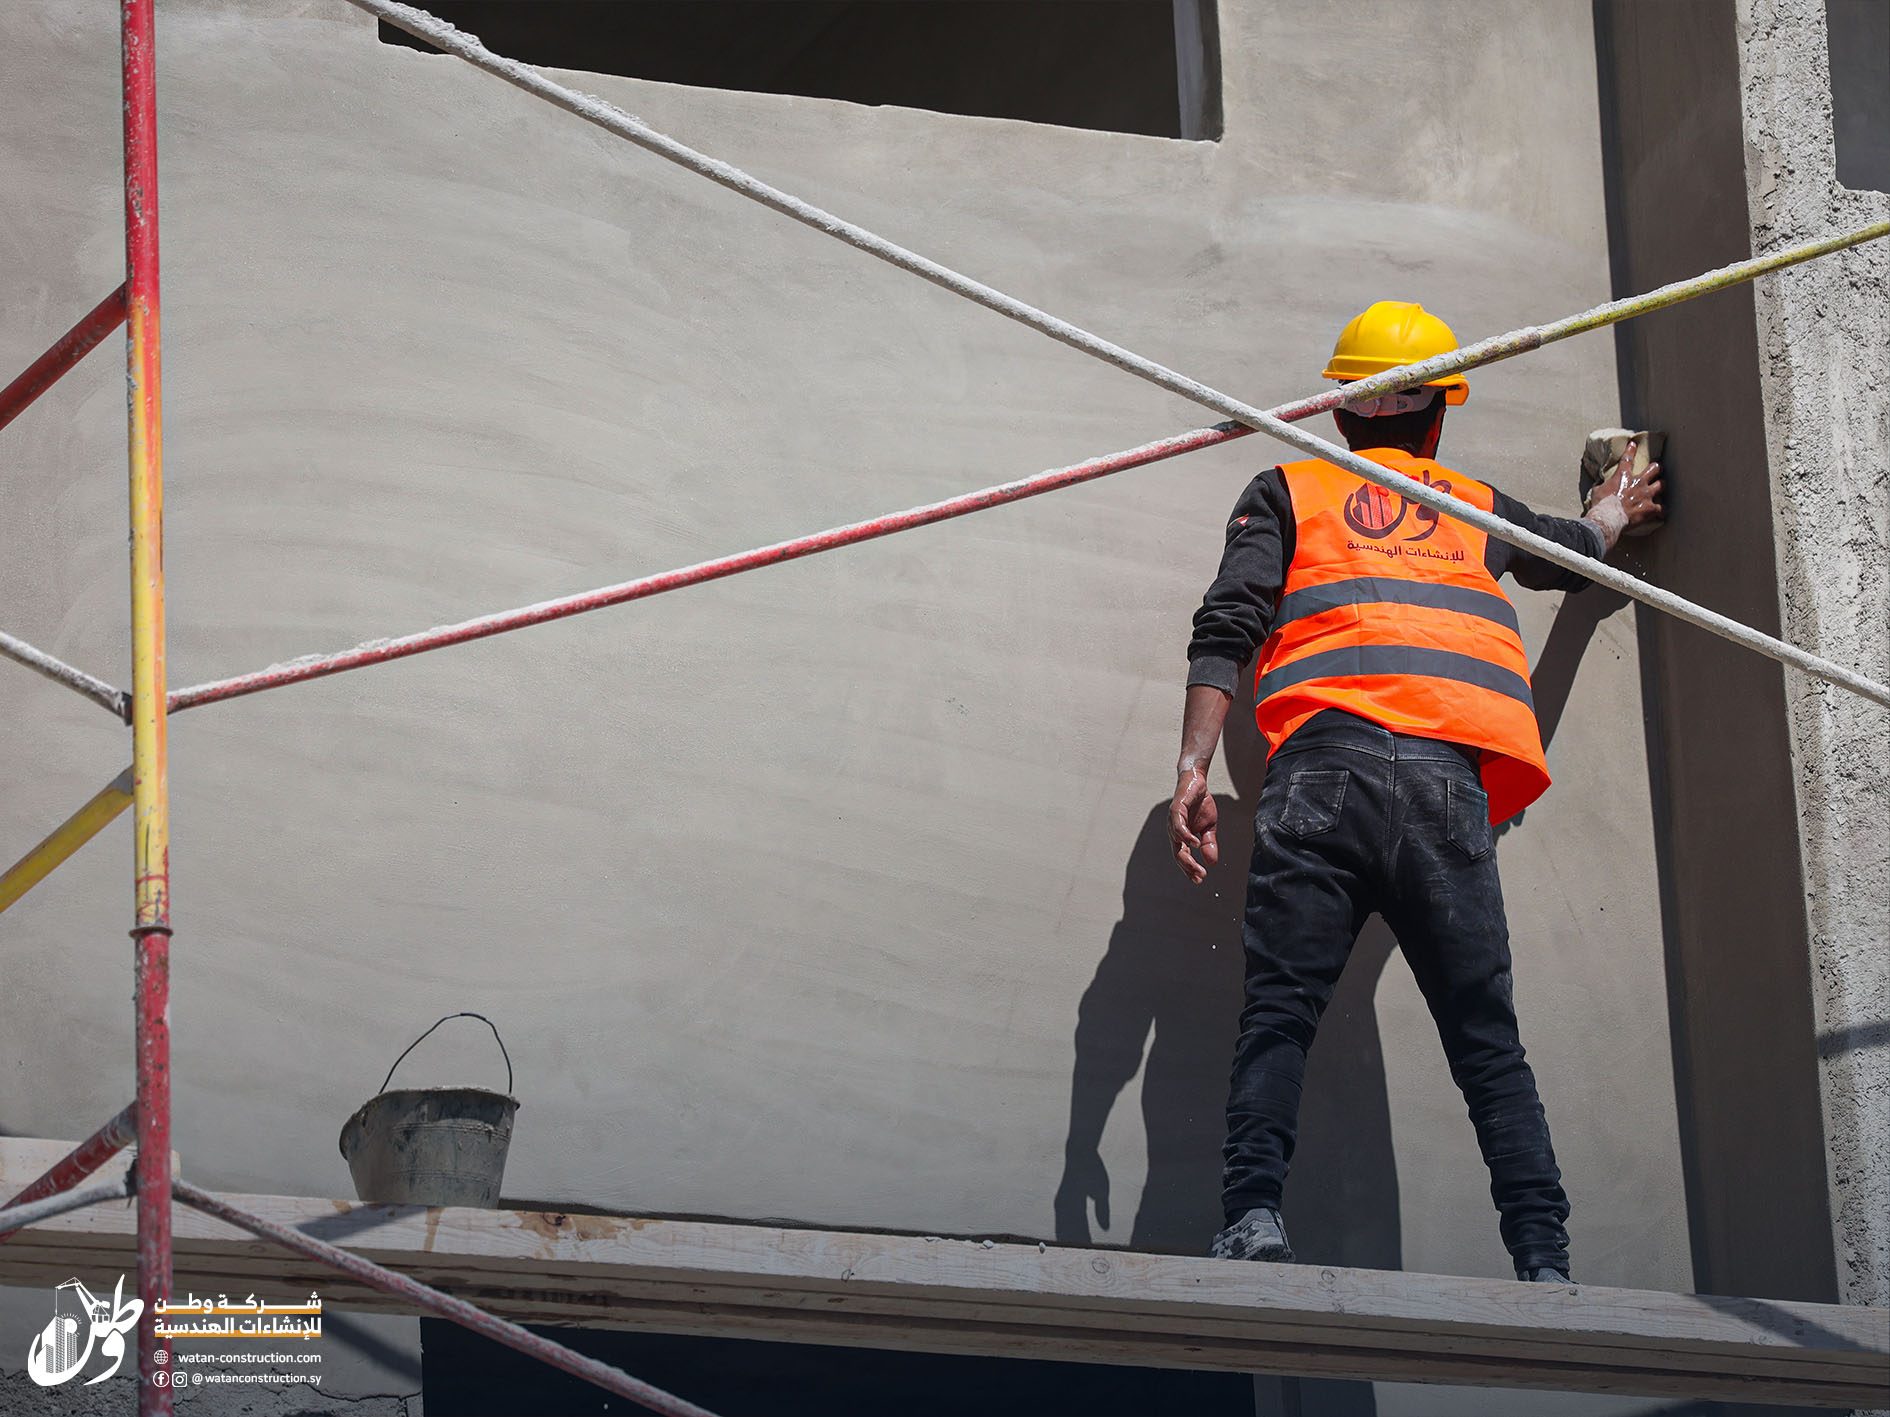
[110, 699]
[453, 41]
[19, 1217]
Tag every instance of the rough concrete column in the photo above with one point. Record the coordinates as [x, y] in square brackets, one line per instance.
[1824, 339]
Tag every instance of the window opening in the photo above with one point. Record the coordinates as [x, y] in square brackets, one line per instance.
[1129, 66]
[1859, 37]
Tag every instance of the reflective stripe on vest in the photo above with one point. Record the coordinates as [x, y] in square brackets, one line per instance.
[1357, 661]
[1366, 590]
[1389, 612]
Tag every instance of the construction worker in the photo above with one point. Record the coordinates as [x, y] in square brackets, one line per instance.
[1392, 690]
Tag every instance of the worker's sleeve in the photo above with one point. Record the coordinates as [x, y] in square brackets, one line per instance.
[1529, 569]
[1236, 614]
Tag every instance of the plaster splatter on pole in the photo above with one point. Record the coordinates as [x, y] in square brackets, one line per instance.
[151, 845]
[114, 701]
[37, 1212]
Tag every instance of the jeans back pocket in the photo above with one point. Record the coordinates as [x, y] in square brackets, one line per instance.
[1313, 801]
[1467, 819]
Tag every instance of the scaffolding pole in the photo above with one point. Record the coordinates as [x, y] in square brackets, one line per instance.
[381, 651]
[611, 119]
[445, 1305]
[75, 1165]
[65, 839]
[21, 1214]
[151, 927]
[65, 352]
[113, 700]
[1471, 356]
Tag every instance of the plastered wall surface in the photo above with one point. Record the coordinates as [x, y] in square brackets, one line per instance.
[1720, 753]
[1825, 343]
[786, 892]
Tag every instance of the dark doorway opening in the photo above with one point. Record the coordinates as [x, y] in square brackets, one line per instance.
[1128, 66]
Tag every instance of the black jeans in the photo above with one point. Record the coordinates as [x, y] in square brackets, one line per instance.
[1354, 820]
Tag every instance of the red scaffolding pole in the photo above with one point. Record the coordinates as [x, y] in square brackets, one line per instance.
[147, 1122]
[381, 651]
[150, 796]
[76, 1165]
[66, 351]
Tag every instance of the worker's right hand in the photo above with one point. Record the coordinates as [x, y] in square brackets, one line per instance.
[1193, 819]
[1624, 502]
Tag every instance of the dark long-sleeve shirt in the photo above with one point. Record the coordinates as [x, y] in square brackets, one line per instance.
[1236, 615]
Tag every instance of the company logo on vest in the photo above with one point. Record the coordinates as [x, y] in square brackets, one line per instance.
[1376, 511]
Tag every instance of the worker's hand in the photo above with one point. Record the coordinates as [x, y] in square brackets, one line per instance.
[1193, 820]
[1624, 502]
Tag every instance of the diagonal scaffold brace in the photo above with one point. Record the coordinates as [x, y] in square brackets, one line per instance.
[20, 1214]
[1471, 356]
[62, 355]
[451, 40]
[85, 1158]
[435, 1301]
[64, 840]
[113, 700]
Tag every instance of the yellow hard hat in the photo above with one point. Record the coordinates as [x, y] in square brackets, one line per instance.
[1390, 333]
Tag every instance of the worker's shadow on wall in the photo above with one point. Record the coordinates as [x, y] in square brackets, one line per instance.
[1166, 999]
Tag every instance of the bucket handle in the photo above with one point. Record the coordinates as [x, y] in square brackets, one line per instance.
[423, 1038]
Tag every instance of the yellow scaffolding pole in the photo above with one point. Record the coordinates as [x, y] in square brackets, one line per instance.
[66, 838]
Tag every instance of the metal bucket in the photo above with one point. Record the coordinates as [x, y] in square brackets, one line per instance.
[432, 1145]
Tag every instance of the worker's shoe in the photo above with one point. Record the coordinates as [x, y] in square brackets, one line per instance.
[1257, 1235]
[1544, 1275]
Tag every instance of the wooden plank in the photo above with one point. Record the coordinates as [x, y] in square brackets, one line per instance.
[555, 1293]
[644, 1305]
[544, 1297]
[1022, 1300]
[1006, 1337]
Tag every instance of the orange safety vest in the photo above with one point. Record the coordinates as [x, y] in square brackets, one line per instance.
[1390, 613]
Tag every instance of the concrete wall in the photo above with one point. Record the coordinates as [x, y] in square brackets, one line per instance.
[1825, 333]
[834, 892]
[1739, 970]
